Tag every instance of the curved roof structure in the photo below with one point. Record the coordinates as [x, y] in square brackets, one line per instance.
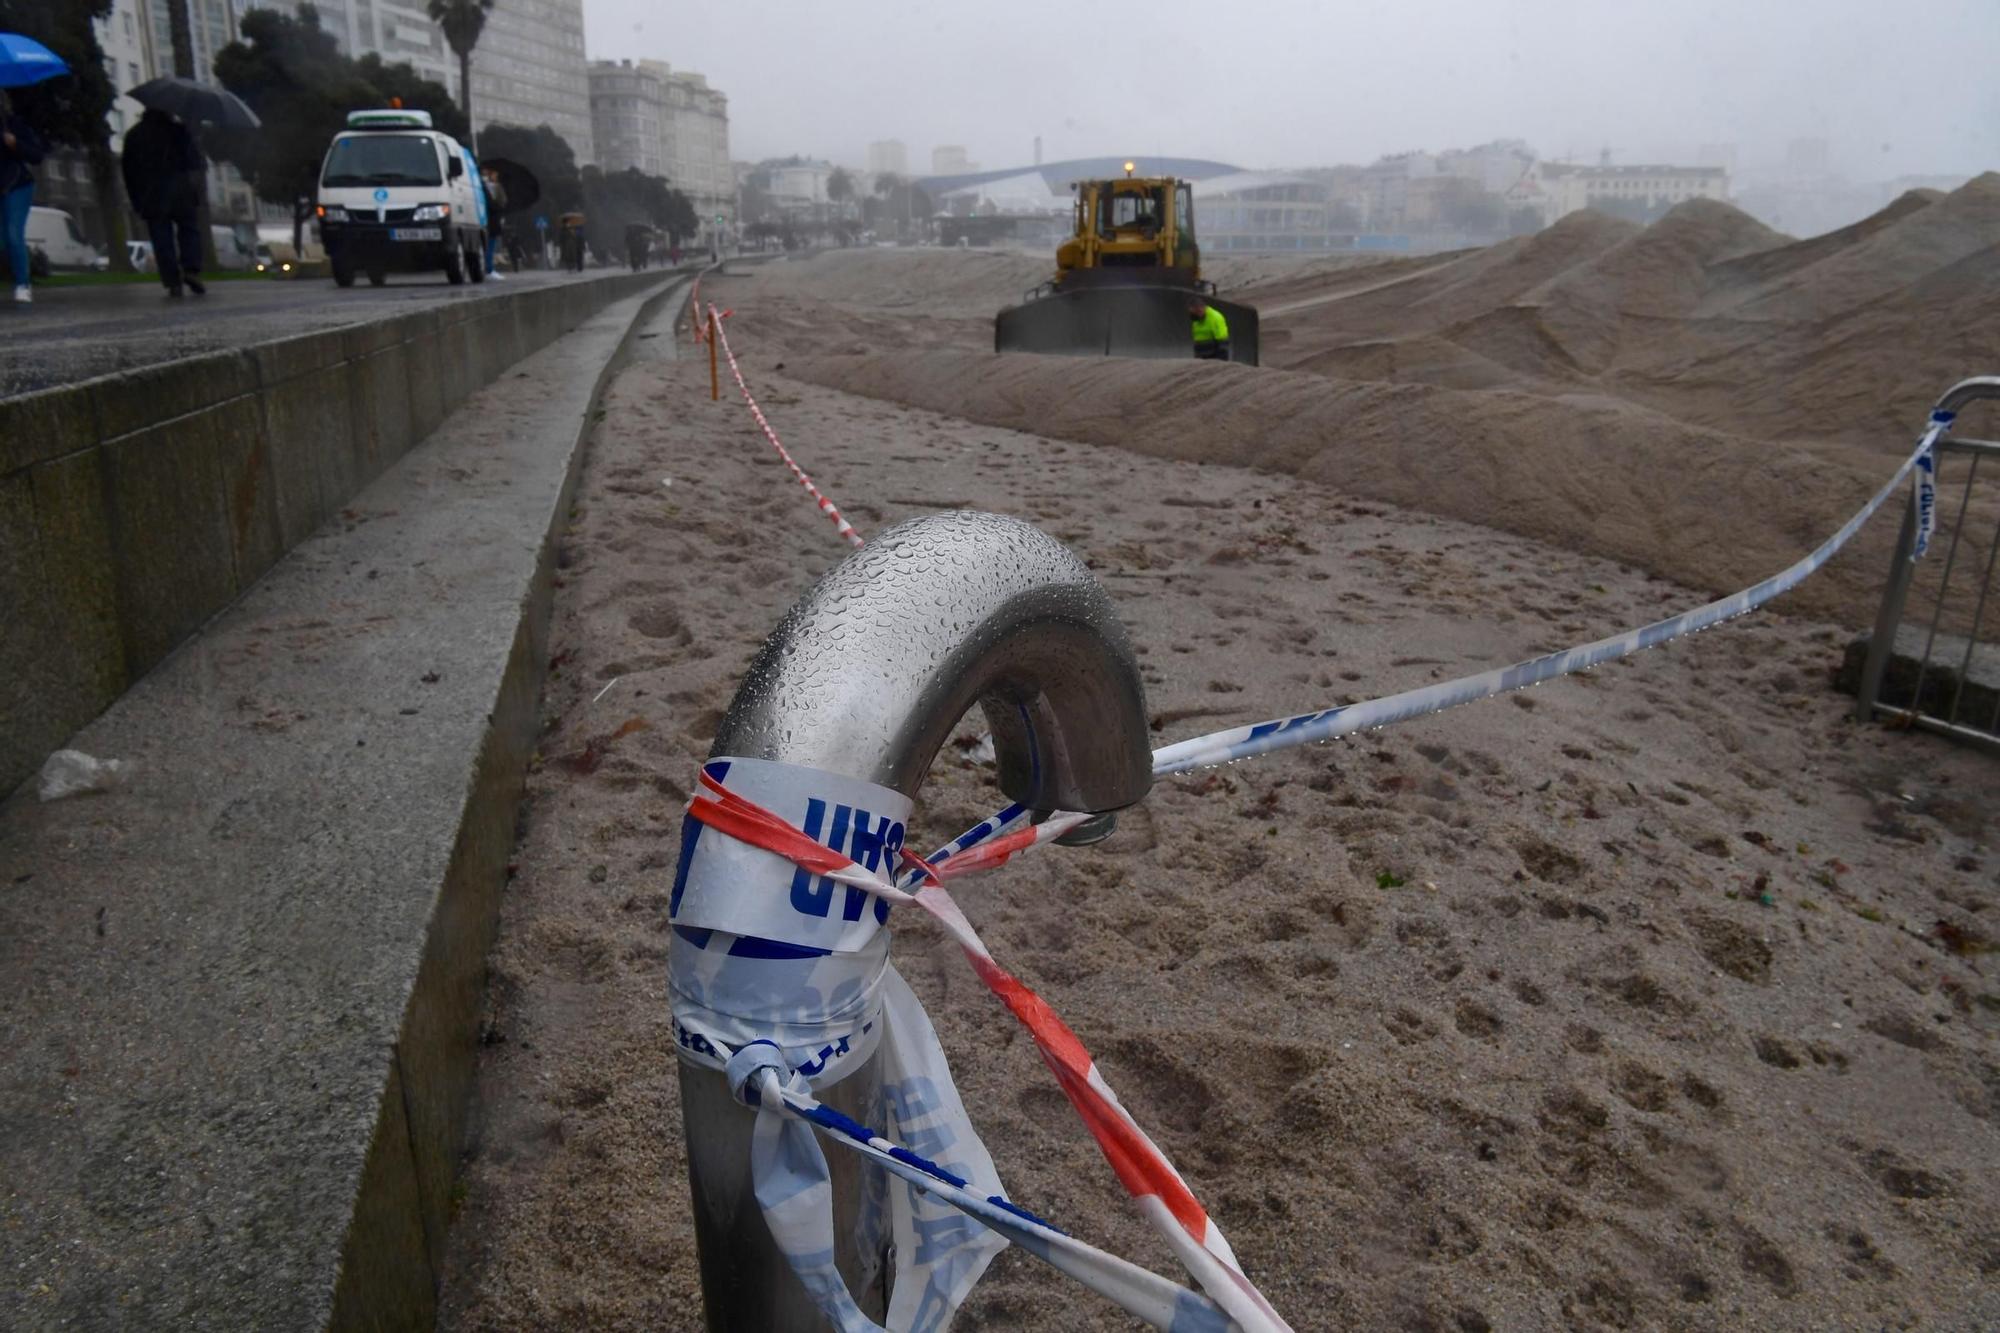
[1058, 175]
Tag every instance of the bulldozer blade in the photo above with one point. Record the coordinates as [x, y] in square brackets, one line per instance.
[1150, 322]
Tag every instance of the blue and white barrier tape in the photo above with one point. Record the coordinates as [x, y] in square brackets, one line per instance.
[1140, 1292]
[1225, 747]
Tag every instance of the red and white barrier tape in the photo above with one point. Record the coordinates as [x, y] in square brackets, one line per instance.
[1155, 1186]
[826, 506]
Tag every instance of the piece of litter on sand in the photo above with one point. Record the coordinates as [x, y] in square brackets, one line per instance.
[983, 752]
[607, 688]
[74, 773]
[666, 481]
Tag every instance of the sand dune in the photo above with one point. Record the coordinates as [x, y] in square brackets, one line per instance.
[1659, 997]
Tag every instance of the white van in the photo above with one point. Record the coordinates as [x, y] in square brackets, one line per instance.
[396, 194]
[53, 234]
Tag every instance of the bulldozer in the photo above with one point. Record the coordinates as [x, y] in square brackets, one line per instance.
[1124, 279]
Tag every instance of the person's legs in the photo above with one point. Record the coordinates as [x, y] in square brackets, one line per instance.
[187, 231]
[14, 207]
[161, 232]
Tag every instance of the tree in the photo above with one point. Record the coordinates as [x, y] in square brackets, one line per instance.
[678, 220]
[401, 84]
[840, 188]
[547, 156]
[292, 74]
[462, 21]
[754, 201]
[74, 110]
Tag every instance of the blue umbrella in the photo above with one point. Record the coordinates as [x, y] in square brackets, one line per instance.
[23, 61]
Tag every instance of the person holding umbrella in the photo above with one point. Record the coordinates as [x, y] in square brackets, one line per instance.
[164, 175]
[20, 150]
[23, 62]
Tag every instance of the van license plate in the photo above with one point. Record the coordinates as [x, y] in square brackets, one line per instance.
[416, 233]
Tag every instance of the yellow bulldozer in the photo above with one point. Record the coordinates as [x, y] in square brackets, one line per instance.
[1124, 279]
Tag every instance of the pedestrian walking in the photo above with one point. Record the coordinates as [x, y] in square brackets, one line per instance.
[164, 171]
[20, 150]
[496, 204]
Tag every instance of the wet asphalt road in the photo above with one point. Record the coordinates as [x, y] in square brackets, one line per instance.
[75, 333]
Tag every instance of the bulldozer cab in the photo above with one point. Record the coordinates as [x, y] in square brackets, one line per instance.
[1134, 223]
[1123, 279]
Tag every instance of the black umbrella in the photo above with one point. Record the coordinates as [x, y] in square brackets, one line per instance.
[194, 102]
[520, 184]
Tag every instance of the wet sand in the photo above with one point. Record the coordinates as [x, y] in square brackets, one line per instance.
[1658, 997]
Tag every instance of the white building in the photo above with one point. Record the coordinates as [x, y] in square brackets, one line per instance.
[797, 187]
[698, 163]
[1557, 189]
[1264, 213]
[1012, 196]
[888, 157]
[127, 39]
[628, 115]
[529, 70]
[950, 160]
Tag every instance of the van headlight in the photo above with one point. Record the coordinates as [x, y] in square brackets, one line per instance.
[331, 214]
[431, 213]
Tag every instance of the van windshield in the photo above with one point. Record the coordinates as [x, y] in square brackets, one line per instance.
[382, 159]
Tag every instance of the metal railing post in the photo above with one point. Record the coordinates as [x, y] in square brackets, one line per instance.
[1888, 618]
[867, 677]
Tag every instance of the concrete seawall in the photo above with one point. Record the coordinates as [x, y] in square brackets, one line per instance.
[135, 506]
[244, 990]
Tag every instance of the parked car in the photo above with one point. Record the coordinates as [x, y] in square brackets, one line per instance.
[53, 234]
[233, 254]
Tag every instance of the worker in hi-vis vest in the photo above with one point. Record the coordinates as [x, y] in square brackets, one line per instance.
[1211, 331]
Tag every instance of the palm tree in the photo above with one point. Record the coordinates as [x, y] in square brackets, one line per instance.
[180, 30]
[462, 22]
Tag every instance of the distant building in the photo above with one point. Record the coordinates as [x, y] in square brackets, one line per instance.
[127, 39]
[1494, 167]
[797, 185]
[698, 159]
[629, 120]
[1557, 189]
[888, 157]
[1264, 213]
[400, 31]
[529, 69]
[950, 160]
[1026, 195]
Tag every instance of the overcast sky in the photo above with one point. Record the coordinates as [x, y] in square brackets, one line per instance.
[1895, 86]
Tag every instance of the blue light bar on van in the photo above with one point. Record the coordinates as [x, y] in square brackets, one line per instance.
[388, 120]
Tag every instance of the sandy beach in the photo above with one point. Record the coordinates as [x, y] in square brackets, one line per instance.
[1658, 997]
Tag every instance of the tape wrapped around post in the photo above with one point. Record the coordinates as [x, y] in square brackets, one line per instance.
[770, 958]
[721, 802]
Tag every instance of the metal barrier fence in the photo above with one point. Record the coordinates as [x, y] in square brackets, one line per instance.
[1936, 671]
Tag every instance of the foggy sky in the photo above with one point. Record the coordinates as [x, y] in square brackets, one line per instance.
[1895, 86]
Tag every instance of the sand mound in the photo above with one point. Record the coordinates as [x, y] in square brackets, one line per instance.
[1707, 315]
[1469, 286]
[940, 282]
[1888, 258]
[1709, 510]
[1655, 998]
